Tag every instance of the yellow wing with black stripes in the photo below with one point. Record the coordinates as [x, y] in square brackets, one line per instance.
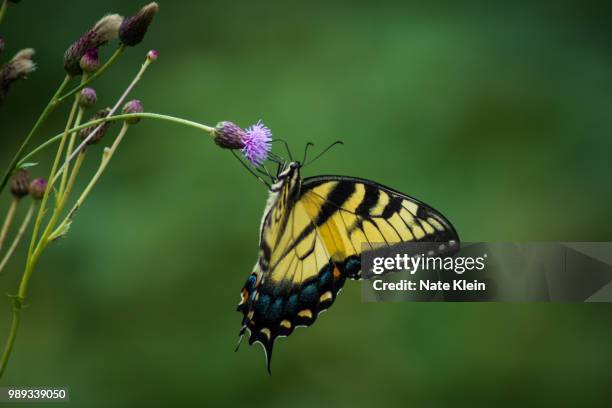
[311, 240]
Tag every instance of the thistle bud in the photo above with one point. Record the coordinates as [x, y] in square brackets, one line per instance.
[88, 98]
[90, 62]
[105, 30]
[18, 68]
[134, 28]
[102, 113]
[20, 184]
[133, 106]
[37, 188]
[228, 135]
[152, 55]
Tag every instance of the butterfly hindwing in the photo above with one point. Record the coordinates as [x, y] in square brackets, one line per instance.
[311, 239]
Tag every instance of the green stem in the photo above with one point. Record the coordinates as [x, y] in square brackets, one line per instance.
[43, 205]
[12, 334]
[3, 10]
[106, 157]
[77, 122]
[10, 215]
[22, 228]
[115, 118]
[73, 110]
[17, 308]
[34, 252]
[51, 236]
[93, 77]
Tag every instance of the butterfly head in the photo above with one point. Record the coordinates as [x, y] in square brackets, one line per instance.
[288, 175]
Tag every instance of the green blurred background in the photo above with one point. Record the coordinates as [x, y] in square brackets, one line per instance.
[496, 114]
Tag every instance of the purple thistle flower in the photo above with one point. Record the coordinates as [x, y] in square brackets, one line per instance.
[257, 143]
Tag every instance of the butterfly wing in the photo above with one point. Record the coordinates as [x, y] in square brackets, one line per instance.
[366, 214]
[311, 244]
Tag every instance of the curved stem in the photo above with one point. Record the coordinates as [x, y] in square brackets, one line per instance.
[22, 228]
[53, 103]
[115, 118]
[95, 75]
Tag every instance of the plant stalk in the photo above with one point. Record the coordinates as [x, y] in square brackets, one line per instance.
[22, 229]
[10, 215]
[148, 115]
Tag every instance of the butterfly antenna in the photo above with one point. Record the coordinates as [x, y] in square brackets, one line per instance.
[246, 166]
[337, 142]
[266, 172]
[276, 158]
[286, 147]
[306, 151]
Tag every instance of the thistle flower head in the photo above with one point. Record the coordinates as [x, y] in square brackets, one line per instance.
[257, 143]
[133, 106]
[105, 30]
[20, 184]
[90, 62]
[19, 67]
[88, 98]
[134, 28]
[38, 187]
[84, 133]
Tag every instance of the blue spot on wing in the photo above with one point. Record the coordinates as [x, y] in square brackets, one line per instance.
[292, 304]
[325, 277]
[309, 294]
[262, 303]
[274, 312]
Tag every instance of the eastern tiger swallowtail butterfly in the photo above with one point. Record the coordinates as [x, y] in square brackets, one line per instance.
[311, 238]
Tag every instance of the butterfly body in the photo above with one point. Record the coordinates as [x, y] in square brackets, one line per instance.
[312, 234]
